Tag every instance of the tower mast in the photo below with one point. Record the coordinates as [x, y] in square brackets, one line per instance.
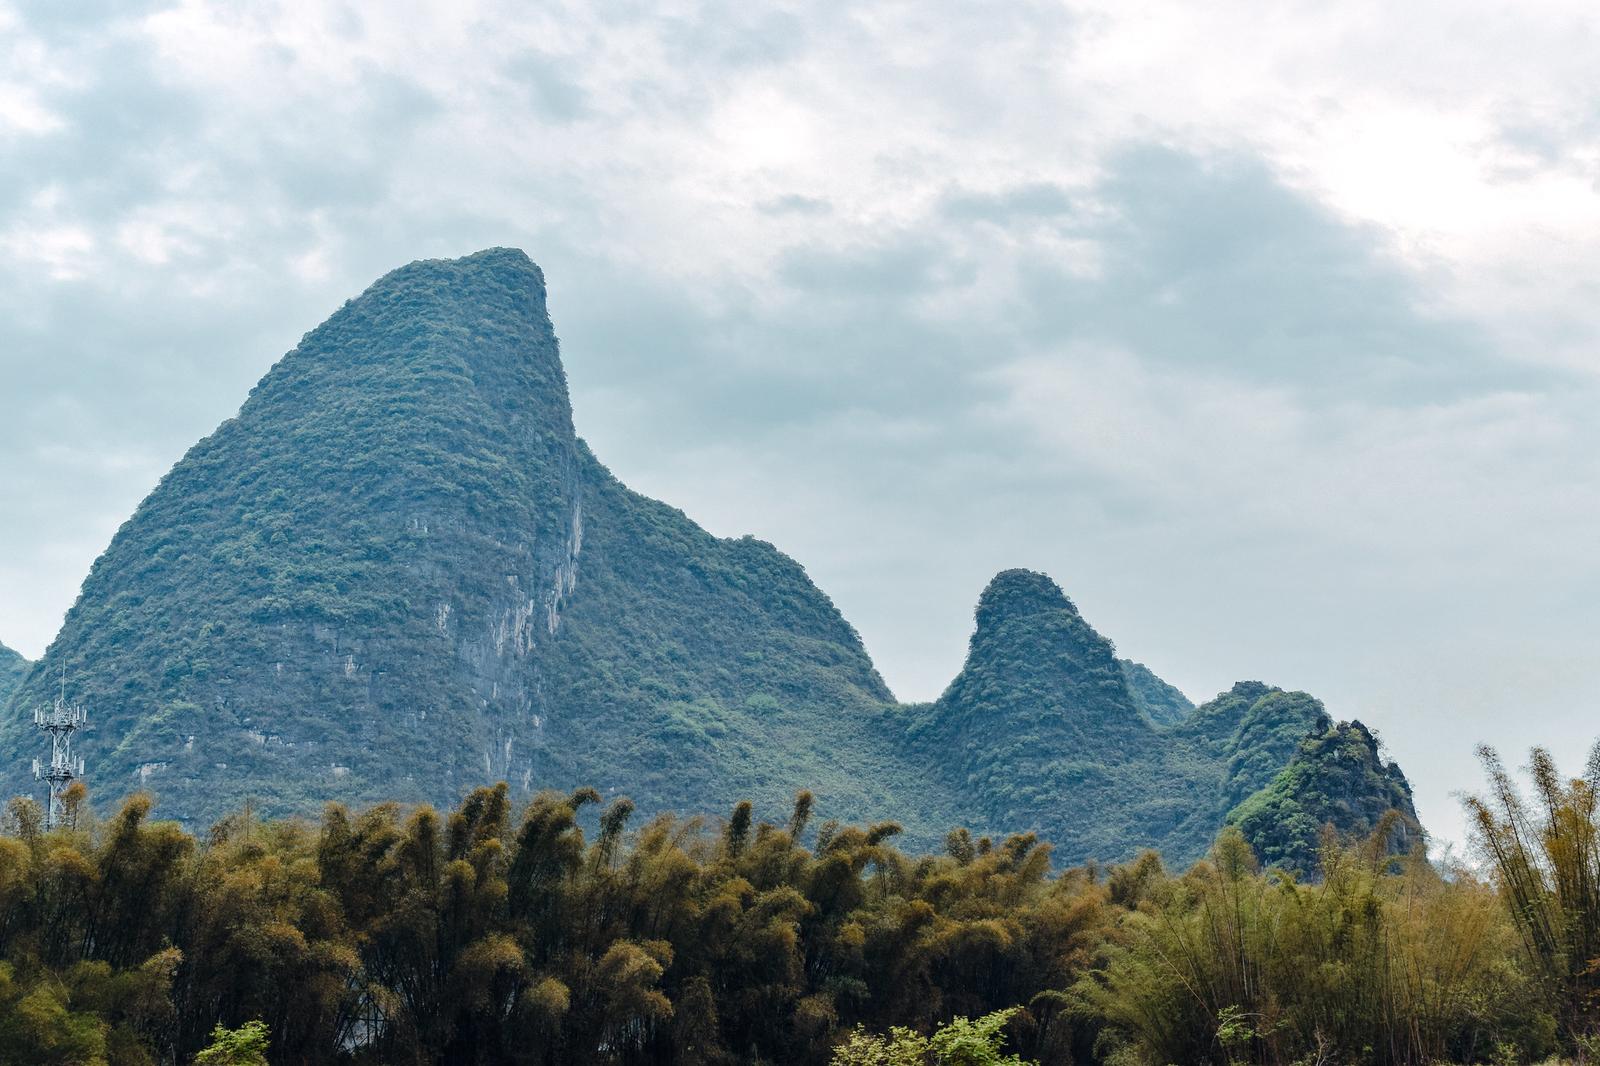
[60, 721]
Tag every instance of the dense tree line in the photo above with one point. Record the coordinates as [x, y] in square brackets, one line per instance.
[493, 934]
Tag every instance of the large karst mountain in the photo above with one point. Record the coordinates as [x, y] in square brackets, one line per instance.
[398, 573]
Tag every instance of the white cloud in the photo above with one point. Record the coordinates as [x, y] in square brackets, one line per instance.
[63, 251]
[21, 112]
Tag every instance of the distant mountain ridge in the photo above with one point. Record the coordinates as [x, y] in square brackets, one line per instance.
[398, 573]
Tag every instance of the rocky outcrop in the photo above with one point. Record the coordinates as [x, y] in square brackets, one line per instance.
[1337, 780]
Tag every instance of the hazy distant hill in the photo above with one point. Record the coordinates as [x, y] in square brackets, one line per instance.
[397, 573]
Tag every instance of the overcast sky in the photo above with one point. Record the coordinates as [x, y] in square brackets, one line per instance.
[1271, 331]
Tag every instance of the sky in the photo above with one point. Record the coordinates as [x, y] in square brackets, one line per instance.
[1270, 331]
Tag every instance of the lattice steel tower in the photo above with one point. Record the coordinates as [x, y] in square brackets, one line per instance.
[60, 721]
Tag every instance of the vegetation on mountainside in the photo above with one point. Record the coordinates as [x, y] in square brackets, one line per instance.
[701, 671]
[1336, 777]
[1255, 729]
[12, 669]
[493, 934]
[1162, 703]
[398, 574]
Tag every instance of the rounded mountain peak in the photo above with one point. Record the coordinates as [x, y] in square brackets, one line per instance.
[1250, 690]
[1018, 594]
[501, 270]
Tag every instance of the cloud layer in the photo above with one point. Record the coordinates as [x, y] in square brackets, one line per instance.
[1273, 338]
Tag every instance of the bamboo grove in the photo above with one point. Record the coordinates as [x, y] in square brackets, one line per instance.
[568, 931]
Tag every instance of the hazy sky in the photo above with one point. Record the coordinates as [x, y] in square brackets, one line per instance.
[1270, 331]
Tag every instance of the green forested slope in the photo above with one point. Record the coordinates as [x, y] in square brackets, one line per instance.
[1162, 703]
[1254, 728]
[1335, 777]
[12, 669]
[397, 574]
[694, 672]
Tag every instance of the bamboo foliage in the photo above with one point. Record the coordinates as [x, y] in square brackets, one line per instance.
[491, 935]
[1382, 962]
[1545, 853]
[571, 932]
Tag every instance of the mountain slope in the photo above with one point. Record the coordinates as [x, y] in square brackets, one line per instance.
[1336, 777]
[1254, 729]
[359, 588]
[1162, 703]
[12, 669]
[398, 573]
[701, 671]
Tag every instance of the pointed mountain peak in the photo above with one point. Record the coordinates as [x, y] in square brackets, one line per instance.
[1016, 594]
[475, 327]
[1361, 736]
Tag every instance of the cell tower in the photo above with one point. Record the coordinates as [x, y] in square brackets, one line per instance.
[60, 721]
